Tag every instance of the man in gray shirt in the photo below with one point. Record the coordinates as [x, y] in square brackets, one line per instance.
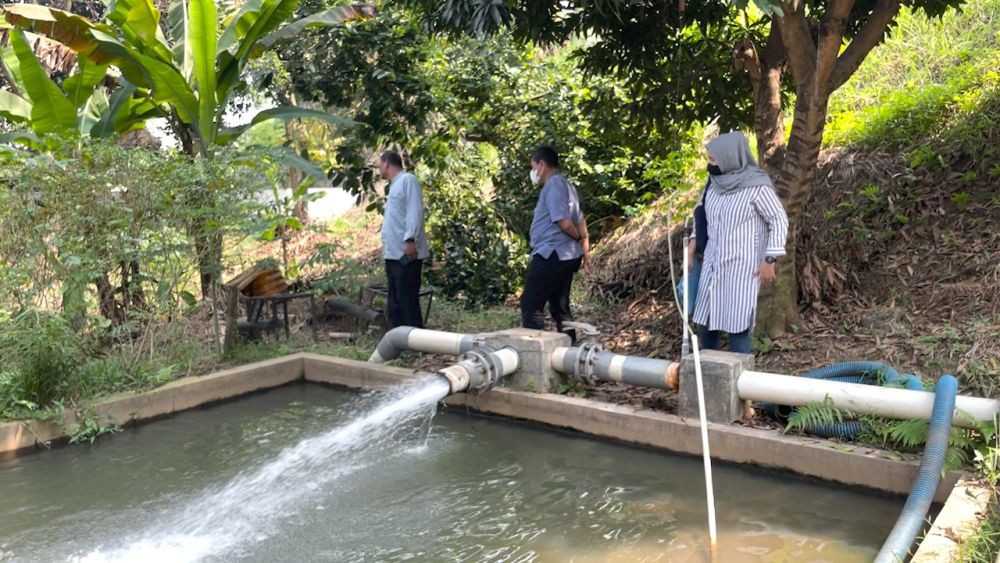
[559, 244]
[404, 243]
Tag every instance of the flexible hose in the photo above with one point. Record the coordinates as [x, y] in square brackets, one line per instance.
[911, 520]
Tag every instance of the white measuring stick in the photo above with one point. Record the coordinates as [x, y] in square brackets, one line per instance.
[705, 454]
[686, 343]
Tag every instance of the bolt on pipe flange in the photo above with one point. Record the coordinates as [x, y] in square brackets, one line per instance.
[585, 359]
[478, 370]
[484, 367]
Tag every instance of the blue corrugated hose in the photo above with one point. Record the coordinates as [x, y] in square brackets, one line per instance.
[911, 520]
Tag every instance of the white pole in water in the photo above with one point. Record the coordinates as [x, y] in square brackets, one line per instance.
[686, 343]
[706, 456]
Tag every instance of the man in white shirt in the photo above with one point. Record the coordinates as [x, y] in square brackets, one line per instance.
[404, 243]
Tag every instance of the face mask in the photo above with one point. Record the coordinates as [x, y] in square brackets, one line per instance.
[535, 177]
[714, 169]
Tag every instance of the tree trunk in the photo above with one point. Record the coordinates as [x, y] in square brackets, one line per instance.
[766, 70]
[208, 246]
[820, 64]
[107, 303]
[768, 122]
[778, 305]
[301, 211]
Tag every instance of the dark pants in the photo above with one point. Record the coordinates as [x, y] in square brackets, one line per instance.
[739, 342]
[548, 281]
[404, 293]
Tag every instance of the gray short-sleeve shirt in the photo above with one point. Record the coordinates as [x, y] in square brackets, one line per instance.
[557, 201]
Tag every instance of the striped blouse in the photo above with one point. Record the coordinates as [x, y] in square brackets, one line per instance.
[743, 228]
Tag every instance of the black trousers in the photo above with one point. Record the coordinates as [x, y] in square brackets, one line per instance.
[404, 293]
[549, 281]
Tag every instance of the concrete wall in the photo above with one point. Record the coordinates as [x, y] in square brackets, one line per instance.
[176, 396]
[857, 466]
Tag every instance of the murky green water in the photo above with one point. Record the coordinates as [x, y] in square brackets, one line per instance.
[472, 489]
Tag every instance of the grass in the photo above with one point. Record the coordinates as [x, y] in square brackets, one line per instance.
[931, 79]
[985, 545]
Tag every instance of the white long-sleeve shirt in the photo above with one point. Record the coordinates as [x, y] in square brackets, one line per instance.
[404, 218]
[743, 228]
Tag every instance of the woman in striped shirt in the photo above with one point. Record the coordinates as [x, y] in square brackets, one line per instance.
[747, 229]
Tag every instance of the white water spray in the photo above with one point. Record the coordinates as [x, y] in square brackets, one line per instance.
[243, 511]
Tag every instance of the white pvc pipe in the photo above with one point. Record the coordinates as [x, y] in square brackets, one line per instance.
[705, 454]
[435, 341]
[509, 359]
[419, 340]
[859, 398]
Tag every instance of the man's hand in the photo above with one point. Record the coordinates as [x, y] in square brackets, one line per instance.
[586, 262]
[410, 249]
[765, 273]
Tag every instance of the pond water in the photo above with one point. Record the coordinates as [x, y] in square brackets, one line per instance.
[311, 473]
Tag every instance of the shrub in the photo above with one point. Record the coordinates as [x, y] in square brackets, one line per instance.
[41, 350]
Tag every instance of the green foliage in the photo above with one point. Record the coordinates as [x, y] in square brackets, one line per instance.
[468, 113]
[37, 350]
[98, 223]
[98, 249]
[985, 545]
[88, 427]
[573, 388]
[931, 86]
[476, 259]
[903, 435]
[817, 413]
[192, 75]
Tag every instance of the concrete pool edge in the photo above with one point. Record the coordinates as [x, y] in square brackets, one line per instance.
[958, 521]
[855, 466]
[179, 395]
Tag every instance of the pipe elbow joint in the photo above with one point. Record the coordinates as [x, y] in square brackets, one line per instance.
[391, 345]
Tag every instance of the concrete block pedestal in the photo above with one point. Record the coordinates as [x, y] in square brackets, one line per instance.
[720, 373]
[535, 348]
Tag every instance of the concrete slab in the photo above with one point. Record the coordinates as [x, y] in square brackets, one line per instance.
[535, 348]
[720, 374]
[354, 374]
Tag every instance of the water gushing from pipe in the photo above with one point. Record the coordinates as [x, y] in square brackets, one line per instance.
[242, 510]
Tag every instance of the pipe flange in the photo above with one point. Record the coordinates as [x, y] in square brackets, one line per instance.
[487, 366]
[585, 359]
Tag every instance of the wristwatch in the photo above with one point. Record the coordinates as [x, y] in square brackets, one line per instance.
[770, 259]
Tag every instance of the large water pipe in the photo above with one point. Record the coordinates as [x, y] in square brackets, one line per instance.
[911, 519]
[590, 362]
[479, 370]
[419, 340]
[859, 398]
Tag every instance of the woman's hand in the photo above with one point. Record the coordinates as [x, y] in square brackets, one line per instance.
[765, 272]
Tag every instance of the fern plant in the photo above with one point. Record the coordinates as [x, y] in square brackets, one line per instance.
[816, 413]
[903, 435]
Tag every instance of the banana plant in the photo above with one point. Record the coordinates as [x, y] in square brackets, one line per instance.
[81, 105]
[194, 69]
